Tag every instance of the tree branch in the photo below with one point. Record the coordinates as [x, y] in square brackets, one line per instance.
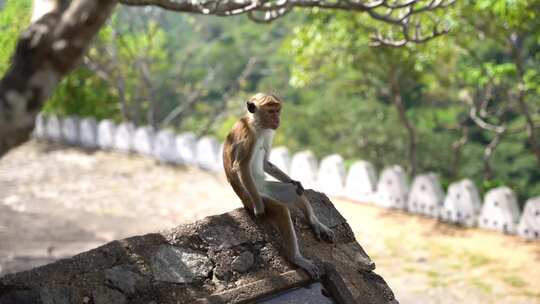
[62, 30]
[396, 13]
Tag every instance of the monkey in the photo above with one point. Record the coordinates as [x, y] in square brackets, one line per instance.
[245, 160]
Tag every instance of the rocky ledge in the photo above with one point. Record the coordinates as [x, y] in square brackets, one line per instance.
[227, 258]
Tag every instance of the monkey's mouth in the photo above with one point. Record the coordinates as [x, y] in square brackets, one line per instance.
[275, 124]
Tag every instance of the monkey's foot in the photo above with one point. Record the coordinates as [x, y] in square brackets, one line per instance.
[308, 266]
[322, 232]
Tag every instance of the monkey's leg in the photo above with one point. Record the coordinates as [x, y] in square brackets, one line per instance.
[320, 230]
[287, 193]
[280, 217]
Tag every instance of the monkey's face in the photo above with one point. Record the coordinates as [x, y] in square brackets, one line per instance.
[269, 115]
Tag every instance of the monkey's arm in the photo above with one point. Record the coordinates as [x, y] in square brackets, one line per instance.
[282, 176]
[241, 167]
[274, 171]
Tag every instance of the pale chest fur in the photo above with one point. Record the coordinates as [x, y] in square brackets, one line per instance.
[261, 151]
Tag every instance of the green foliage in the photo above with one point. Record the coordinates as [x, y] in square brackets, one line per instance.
[14, 17]
[337, 89]
[83, 94]
[488, 59]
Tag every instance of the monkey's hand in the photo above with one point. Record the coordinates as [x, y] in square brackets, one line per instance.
[299, 187]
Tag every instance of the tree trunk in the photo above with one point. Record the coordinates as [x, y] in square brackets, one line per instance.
[488, 154]
[457, 148]
[531, 132]
[49, 49]
[398, 102]
[515, 42]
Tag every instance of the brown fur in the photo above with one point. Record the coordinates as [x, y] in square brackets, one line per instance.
[237, 152]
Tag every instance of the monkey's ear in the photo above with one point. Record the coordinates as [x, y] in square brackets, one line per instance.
[251, 107]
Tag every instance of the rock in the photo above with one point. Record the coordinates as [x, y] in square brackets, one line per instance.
[355, 253]
[179, 265]
[124, 278]
[222, 273]
[59, 295]
[20, 297]
[104, 295]
[182, 274]
[314, 293]
[243, 262]
[223, 237]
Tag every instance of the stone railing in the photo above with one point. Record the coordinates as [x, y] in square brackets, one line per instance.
[461, 205]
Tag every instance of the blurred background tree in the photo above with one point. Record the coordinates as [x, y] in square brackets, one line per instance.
[463, 105]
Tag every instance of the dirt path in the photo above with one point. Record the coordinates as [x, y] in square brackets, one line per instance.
[57, 201]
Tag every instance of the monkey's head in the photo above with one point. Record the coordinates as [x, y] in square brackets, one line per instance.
[266, 109]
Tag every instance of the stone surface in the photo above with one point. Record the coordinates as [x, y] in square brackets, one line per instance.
[331, 175]
[179, 265]
[104, 295]
[186, 145]
[223, 236]
[54, 128]
[106, 131]
[500, 210]
[58, 295]
[123, 137]
[165, 147]
[281, 158]
[529, 224]
[21, 296]
[143, 140]
[70, 130]
[361, 183]
[124, 278]
[462, 204]
[426, 196]
[314, 293]
[356, 253]
[304, 168]
[243, 262]
[191, 264]
[88, 136]
[392, 188]
[209, 154]
[40, 127]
